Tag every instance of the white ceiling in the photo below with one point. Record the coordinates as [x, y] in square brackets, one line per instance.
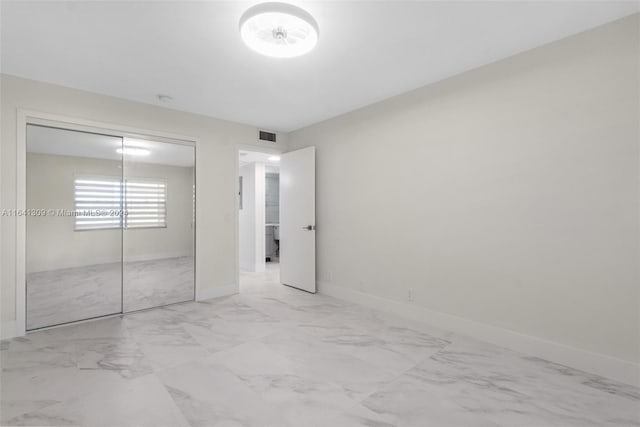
[61, 142]
[248, 157]
[192, 51]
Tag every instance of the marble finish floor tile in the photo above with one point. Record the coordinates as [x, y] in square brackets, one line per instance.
[142, 401]
[500, 387]
[275, 356]
[211, 395]
[123, 356]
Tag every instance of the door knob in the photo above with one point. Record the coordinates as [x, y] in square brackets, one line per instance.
[309, 227]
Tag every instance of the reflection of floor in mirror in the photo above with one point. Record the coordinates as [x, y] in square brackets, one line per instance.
[70, 294]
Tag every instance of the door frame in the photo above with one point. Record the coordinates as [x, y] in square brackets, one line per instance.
[236, 186]
[26, 117]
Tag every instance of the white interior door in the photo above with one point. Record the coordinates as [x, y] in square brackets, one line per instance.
[298, 219]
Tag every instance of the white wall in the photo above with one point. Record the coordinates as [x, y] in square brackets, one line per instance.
[50, 186]
[216, 174]
[252, 218]
[507, 196]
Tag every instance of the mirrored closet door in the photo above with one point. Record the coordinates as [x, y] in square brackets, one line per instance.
[74, 235]
[110, 227]
[158, 255]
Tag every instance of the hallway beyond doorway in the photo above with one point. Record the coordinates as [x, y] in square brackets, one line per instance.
[267, 281]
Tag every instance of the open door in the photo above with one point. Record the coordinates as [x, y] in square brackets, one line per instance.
[298, 219]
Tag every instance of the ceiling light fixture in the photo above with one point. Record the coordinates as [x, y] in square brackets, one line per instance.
[130, 151]
[279, 30]
[137, 143]
[274, 158]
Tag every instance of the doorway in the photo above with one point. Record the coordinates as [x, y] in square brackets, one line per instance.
[111, 223]
[276, 218]
[258, 215]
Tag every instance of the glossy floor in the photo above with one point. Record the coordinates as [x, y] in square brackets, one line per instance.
[274, 356]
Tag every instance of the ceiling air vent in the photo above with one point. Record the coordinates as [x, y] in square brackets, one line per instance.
[267, 136]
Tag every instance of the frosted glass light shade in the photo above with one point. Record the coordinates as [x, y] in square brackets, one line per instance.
[278, 30]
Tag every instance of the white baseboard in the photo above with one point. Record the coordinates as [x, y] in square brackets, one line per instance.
[8, 330]
[217, 292]
[600, 364]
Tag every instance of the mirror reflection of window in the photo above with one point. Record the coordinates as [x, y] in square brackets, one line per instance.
[125, 238]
